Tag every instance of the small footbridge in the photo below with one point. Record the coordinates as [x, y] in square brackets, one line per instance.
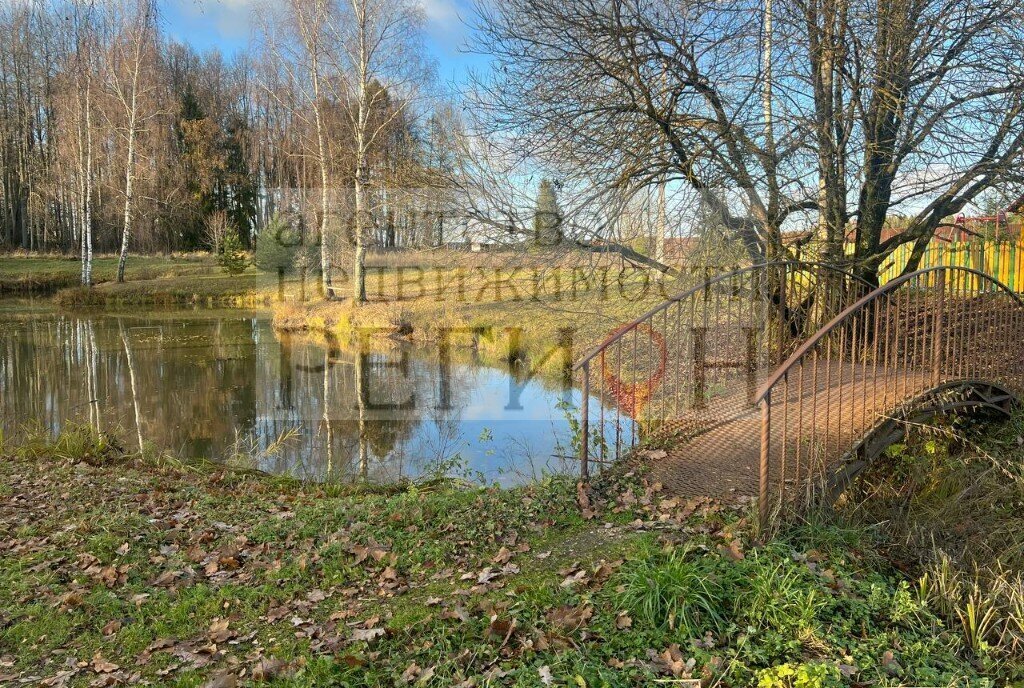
[779, 379]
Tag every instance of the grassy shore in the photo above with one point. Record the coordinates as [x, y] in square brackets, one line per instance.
[530, 305]
[25, 274]
[184, 280]
[521, 304]
[118, 569]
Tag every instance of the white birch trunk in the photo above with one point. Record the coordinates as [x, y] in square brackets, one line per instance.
[129, 168]
[129, 195]
[363, 67]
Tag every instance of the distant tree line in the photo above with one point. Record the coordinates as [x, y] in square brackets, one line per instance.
[114, 138]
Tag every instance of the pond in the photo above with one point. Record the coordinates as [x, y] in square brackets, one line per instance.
[224, 386]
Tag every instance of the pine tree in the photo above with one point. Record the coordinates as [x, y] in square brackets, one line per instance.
[276, 246]
[547, 220]
[233, 258]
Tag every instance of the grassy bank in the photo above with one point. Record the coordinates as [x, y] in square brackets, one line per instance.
[536, 306]
[118, 569]
[533, 306]
[186, 280]
[24, 274]
[549, 298]
[251, 289]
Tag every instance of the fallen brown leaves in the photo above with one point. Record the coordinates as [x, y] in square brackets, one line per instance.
[320, 583]
[178, 546]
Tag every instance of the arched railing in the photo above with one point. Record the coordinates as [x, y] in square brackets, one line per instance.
[950, 336]
[697, 360]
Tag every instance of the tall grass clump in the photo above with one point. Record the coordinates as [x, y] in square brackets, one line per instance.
[985, 606]
[75, 443]
[679, 590]
[947, 503]
[778, 593]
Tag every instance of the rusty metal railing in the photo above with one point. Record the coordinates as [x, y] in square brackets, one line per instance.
[696, 361]
[939, 339]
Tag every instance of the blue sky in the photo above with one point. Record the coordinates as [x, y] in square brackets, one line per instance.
[225, 24]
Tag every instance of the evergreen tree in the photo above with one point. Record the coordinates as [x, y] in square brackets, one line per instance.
[233, 258]
[276, 246]
[547, 220]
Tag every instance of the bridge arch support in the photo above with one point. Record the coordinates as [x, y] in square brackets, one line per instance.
[956, 397]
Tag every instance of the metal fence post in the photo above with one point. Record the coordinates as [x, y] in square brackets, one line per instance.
[937, 334]
[585, 426]
[766, 437]
[700, 387]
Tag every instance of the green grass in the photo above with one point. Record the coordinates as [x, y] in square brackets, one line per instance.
[23, 274]
[677, 591]
[181, 573]
[187, 280]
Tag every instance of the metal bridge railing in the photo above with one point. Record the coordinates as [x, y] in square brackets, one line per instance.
[697, 361]
[941, 338]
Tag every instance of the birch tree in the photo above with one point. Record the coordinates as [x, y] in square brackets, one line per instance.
[131, 82]
[312, 19]
[81, 63]
[381, 56]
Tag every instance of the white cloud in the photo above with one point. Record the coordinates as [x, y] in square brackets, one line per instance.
[446, 23]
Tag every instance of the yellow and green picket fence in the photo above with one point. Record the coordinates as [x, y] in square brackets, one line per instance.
[1004, 260]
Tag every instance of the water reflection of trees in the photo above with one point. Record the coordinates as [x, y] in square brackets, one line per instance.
[205, 385]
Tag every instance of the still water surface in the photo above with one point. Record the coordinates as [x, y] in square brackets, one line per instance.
[225, 386]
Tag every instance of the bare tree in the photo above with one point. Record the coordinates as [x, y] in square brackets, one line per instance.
[620, 95]
[81, 63]
[311, 19]
[131, 57]
[918, 109]
[217, 227]
[380, 47]
[828, 115]
[26, 114]
[359, 59]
